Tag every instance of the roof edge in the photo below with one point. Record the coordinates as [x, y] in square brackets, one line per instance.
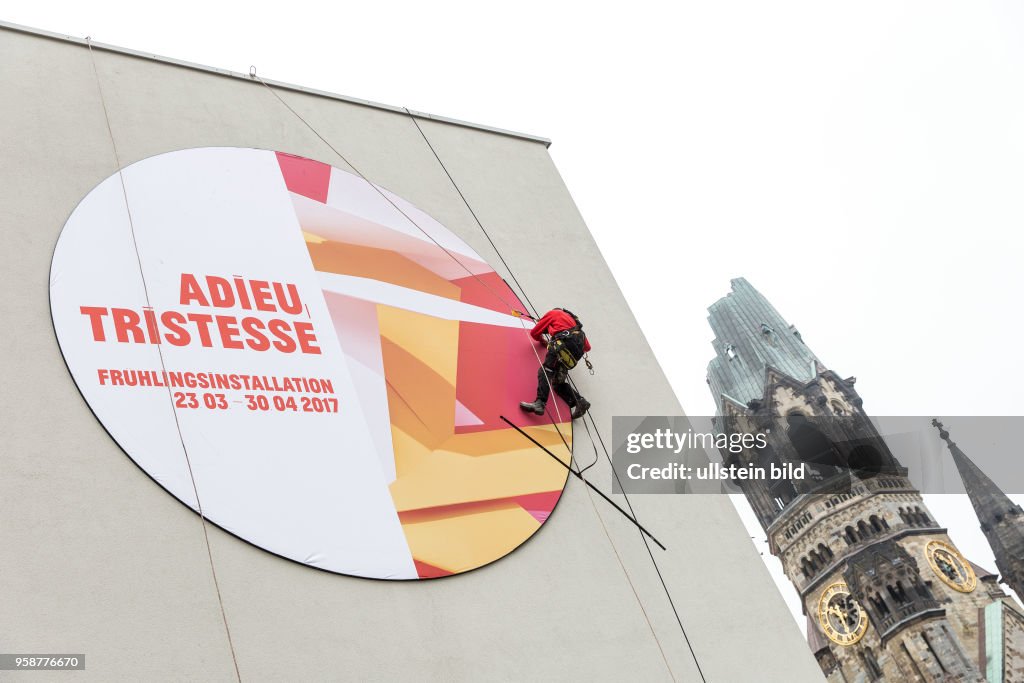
[18, 28]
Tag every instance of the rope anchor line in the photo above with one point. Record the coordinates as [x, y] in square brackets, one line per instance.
[583, 479]
[163, 365]
[529, 303]
[521, 314]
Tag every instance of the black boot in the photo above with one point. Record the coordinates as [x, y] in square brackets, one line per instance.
[581, 408]
[537, 407]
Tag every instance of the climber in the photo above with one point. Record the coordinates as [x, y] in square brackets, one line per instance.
[566, 342]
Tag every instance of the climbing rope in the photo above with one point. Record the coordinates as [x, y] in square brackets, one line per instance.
[533, 315]
[513, 310]
[591, 437]
[163, 365]
[597, 513]
[472, 212]
[580, 472]
[647, 545]
[578, 475]
[253, 75]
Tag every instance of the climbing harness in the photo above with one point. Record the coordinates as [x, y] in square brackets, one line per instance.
[559, 344]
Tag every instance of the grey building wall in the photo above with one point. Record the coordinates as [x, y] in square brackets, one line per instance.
[98, 559]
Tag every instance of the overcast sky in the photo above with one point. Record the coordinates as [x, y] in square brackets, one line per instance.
[861, 164]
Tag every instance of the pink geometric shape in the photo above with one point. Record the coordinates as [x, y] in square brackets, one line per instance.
[305, 176]
[498, 369]
[464, 417]
[539, 505]
[484, 291]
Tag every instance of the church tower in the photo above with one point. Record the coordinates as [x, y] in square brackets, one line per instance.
[1002, 520]
[887, 594]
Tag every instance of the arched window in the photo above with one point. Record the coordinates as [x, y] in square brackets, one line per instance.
[865, 461]
[816, 560]
[813, 447]
[851, 536]
[898, 596]
[879, 602]
[876, 524]
[862, 529]
[825, 551]
[922, 516]
[874, 671]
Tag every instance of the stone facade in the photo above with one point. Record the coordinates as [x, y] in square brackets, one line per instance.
[1002, 520]
[887, 595]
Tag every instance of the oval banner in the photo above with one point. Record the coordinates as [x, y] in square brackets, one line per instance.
[323, 364]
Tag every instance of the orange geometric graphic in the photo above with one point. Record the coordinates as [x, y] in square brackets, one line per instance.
[466, 488]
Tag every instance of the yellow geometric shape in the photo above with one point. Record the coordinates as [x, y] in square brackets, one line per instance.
[452, 478]
[405, 419]
[489, 441]
[377, 264]
[433, 341]
[457, 544]
[429, 396]
[410, 452]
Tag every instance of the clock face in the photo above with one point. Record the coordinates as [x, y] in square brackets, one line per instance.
[841, 617]
[950, 566]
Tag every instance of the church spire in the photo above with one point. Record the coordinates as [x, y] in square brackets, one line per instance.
[750, 337]
[1002, 520]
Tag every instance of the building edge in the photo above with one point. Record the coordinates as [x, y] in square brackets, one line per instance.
[227, 73]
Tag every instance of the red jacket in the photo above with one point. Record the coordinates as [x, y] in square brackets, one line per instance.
[553, 322]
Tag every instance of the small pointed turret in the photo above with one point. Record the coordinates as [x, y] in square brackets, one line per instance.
[1002, 520]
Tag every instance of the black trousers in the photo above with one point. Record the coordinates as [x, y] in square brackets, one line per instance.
[552, 370]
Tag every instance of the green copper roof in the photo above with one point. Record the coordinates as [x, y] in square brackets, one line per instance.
[750, 335]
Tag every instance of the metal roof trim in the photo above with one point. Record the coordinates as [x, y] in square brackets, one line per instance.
[277, 84]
